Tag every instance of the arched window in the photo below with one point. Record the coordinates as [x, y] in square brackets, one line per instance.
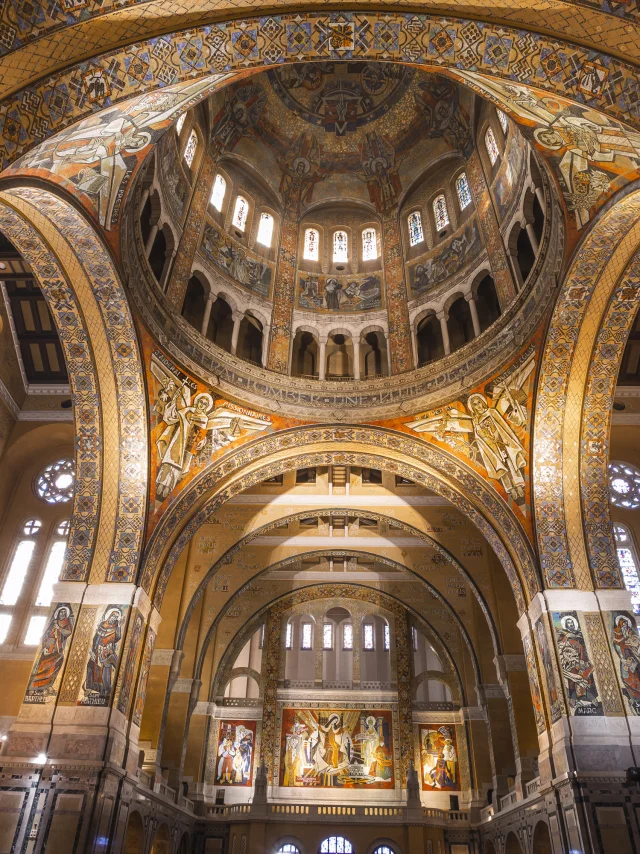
[288, 848]
[628, 561]
[340, 246]
[217, 194]
[463, 190]
[624, 485]
[327, 636]
[416, 234]
[384, 849]
[54, 564]
[240, 213]
[190, 148]
[440, 212]
[311, 244]
[56, 482]
[288, 638]
[504, 122]
[307, 636]
[265, 229]
[19, 566]
[347, 636]
[491, 145]
[369, 244]
[180, 123]
[336, 845]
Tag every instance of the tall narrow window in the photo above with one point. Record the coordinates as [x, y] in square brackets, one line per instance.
[180, 123]
[5, 622]
[289, 636]
[190, 148]
[34, 630]
[628, 564]
[340, 247]
[369, 244]
[440, 212]
[306, 636]
[51, 572]
[416, 234]
[17, 571]
[387, 637]
[368, 636]
[414, 638]
[262, 635]
[492, 145]
[327, 636]
[265, 229]
[463, 190]
[311, 244]
[504, 122]
[347, 636]
[217, 194]
[240, 213]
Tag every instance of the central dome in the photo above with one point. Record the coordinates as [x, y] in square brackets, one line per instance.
[357, 220]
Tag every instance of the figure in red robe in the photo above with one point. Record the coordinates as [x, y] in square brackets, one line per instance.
[51, 657]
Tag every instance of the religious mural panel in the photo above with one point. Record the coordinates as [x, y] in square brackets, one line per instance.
[125, 678]
[490, 427]
[334, 748]
[143, 679]
[578, 671]
[624, 638]
[234, 755]
[236, 261]
[46, 672]
[340, 294]
[536, 696]
[508, 178]
[429, 270]
[104, 656]
[439, 758]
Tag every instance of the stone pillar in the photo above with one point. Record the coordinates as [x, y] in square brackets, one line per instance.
[512, 675]
[143, 199]
[532, 238]
[356, 619]
[386, 336]
[207, 315]
[273, 658]
[490, 228]
[322, 358]
[397, 294]
[496, 709]
[473, 308]
[540, 197]
[237, 320]
[193, 224]
[152, 236]
[356, 359]
[443, 317]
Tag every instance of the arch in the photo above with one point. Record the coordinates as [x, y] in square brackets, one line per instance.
[541, 842]
[91, 312]
[488, 304]
[250, 339]
[134, 835]
[161, 841]
[403, 454]
[429, 341]
[288, 845]
[335, 845]
[184, 846]
[460, 324]
[512, 844]
[304, 353]
[220, 326]
[383, 846]
[194, 301]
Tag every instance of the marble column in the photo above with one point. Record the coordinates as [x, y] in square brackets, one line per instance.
[284, 293]
[533, 240]
[473, 308]
[356, 359]
[490, 228]
[540, 197]
[397, 294]
[207, 314]
[192, 229]
[237, 320]
[266, 329]
[322, 358]
[443, 317]
[152, 236]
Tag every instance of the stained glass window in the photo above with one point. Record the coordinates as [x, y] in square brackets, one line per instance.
[628, 564]
[289, 636]
[240, 213]
[492, 145]
[340, 247]
[624, 485]
[347, 636]
[306, 636]
[190, 148]
[51, 572]
[265, 229]
[463, 190]
[440, 212]
[504, 122]
[180, 123]
[387, 637]
[327, 636]
[55, 483]
[368, 636]
[416, 234]
[336, 845]
[217, 194]
[369, 244]
[384, 849]
[311, 244]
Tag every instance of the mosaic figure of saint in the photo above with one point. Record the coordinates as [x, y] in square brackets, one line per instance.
[103, 658]
[52, 648]
[577, 668]
[626, 643]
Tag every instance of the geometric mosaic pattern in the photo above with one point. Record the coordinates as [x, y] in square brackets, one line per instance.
[37, 111]
[121, 439]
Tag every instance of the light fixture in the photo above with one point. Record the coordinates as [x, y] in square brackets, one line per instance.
[41, 759]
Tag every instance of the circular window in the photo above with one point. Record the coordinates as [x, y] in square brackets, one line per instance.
[624, 485]
[31, 527]
[55, 483]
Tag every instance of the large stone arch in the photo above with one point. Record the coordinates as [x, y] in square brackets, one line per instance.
[367, 446]
[91, 312]
[582, 354]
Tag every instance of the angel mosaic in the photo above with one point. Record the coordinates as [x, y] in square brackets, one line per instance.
[489, 428]
[190, 425]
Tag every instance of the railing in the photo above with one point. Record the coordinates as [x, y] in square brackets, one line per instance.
[532, 787]
[487, 813]
[145, 779]
[508, 800]
[242, 701]
[358, 813]
[186, 804]
[337, 684]
[164, 790]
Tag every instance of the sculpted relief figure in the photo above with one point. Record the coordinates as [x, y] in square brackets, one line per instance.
[187, 426]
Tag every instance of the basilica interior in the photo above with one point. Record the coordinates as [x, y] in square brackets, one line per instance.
[319, 387]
